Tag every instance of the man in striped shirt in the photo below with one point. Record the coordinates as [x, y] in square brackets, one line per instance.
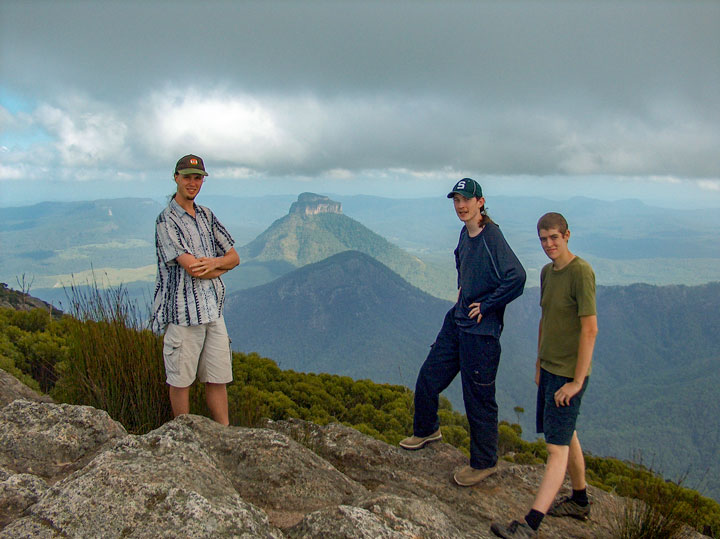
[193, 249]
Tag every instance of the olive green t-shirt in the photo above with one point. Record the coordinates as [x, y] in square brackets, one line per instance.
[565, 296]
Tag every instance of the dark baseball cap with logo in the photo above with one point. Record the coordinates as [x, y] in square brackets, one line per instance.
[190, 164]
[466, 187]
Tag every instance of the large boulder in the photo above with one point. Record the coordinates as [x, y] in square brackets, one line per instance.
[273, 471]
[52, 440]
[416, 495]
[162, 484]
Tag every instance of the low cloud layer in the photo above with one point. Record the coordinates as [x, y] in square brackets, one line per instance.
[337, 89]
[308, 136]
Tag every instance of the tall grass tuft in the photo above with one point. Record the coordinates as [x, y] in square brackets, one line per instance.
[114, 362]
[654, 519]
[658, 508]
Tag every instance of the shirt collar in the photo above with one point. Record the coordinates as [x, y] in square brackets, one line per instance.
[179, 210]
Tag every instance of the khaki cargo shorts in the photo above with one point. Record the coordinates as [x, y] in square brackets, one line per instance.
[197, 352]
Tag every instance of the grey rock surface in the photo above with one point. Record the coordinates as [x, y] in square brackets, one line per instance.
[71, 471]
[345, 521]
[270, 469]
[382, 516]
[162, 484]
[52, 440]
[17, 493]
[416, 495]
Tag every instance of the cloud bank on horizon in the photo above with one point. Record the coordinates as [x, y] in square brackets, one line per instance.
[349, 90]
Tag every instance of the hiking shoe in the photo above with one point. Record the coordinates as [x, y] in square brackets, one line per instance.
[418, 442]
[512, 530]
[468, 476]
[566, 507]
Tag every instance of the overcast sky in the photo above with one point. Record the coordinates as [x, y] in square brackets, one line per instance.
[607, 99]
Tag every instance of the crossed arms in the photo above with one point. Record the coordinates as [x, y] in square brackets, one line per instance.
[208, 267]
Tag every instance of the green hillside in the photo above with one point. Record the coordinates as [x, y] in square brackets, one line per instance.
[51, 241]
[347, 314]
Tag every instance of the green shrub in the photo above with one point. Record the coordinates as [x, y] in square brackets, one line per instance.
[457, 436]
[509, 440]
[31, 343]
[8, 365]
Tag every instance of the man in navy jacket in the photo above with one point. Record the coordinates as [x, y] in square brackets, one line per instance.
[489, 277]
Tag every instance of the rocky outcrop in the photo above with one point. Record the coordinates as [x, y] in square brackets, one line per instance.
[312, 204]
[21, 301]
[162, 484]
[74, 472]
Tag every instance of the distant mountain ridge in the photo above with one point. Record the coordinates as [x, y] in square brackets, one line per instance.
[626, 241]
[315, 229]
[63, 238]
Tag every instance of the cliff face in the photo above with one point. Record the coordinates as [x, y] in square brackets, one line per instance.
[72, 471]
[312, 204]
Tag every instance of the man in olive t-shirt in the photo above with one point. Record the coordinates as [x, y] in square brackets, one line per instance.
[566, 295]
[566, 338]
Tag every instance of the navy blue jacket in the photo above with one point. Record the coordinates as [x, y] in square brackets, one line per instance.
[488, 273]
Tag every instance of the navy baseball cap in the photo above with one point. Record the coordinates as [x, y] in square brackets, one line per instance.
[466, 187]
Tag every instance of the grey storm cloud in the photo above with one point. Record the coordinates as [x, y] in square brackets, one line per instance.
[506, 87]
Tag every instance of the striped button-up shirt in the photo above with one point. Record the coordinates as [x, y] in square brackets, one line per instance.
[180, 298]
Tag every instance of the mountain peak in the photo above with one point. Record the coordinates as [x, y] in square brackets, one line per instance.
[313, 204]
[315, 228]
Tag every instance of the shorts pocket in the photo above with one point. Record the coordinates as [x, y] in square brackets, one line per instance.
[171, 345]
[172, 352]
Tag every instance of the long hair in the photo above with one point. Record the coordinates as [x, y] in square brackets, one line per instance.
[485, 217]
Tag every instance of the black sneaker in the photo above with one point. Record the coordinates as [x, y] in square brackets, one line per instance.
[566, 507]
[512, 530]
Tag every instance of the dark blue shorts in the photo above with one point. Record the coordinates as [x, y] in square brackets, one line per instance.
[556, 422]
